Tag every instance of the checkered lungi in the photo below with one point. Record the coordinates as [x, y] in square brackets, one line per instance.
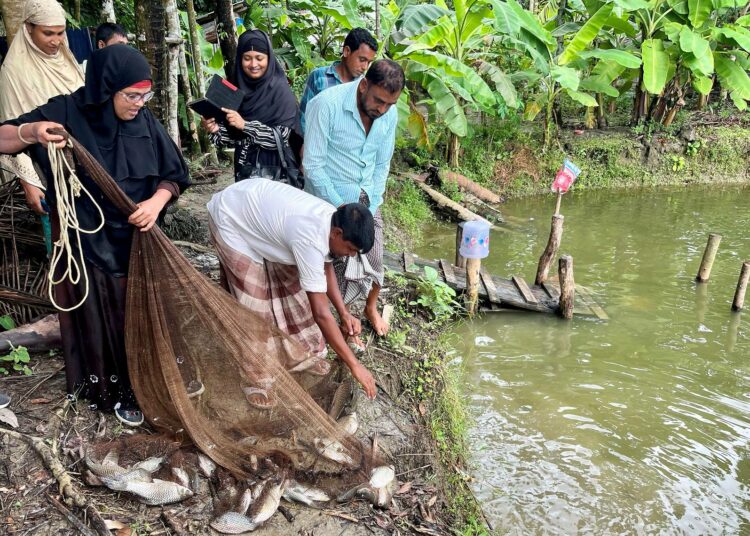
[354, 277]
[273, 291]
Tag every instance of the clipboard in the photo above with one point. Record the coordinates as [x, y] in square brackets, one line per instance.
[220, 94]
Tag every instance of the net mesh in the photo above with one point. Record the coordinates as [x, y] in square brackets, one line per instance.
[195, 354]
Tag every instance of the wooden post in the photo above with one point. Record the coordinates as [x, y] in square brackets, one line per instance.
[555, 236]
[708, 258]
[567, 287]
[473, 266]
[460, 261]
[739, 295]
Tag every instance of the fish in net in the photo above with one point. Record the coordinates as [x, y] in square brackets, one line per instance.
[195, 355]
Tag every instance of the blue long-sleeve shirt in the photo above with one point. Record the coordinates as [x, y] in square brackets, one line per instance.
[340, 157]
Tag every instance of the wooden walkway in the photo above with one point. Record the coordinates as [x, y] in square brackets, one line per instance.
[495, 292]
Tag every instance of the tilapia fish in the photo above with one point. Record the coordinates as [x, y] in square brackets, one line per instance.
[333, 450]
[378, 491]
[261, 509]
[233, 523]
[206, 465]
[296, 492]
[158, 491]
[349, 424]
[382, 476]
[268, 501]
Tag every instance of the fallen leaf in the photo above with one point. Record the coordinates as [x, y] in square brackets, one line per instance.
[382, 523]
[125, 531]
[113, 524]
[405, 488]
[432, 501]
[39, 401]
[4, 490]
[422, 409]
[8, 417]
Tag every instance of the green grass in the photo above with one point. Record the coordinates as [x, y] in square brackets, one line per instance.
[405, 212]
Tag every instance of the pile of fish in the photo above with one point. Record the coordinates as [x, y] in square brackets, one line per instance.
[137, 479]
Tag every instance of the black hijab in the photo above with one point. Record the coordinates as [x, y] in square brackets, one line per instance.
[138, 154]
[268, 99]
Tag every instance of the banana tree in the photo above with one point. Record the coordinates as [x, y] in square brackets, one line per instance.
[441, 49]
[548, 72]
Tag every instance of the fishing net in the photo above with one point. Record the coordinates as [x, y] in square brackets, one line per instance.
[195, 355]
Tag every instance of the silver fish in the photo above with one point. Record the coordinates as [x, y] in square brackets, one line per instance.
[349, 424]
[111, 458]
[382, 476]
[207, 465]
[296, 492]
[245, 501]
[267, 502]
[333, 450]
[103, 470]
[233, 523]
[149, 464]
[182, 476]
[158, 492]
[120, 482]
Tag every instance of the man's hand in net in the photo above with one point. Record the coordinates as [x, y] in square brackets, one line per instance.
[363, 376]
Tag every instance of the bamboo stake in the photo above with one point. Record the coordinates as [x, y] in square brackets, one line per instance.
[567, 286]
[708, 258]
[553, 244]
[739, 295]
[473, 267]
[460, 261]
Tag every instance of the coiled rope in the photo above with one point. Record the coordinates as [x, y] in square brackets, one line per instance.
[64, 248]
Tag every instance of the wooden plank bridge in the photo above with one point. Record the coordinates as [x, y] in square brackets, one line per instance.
[495, 292]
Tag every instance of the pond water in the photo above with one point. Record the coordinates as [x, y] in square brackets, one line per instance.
[637, 425]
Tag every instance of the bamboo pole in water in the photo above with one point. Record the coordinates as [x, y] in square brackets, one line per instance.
[473, 266]
[739, 295]
[460, 261]
[704, 272]
[567, 286]
[553, 244]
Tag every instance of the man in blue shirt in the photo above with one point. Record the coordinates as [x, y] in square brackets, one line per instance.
[357, 54]
[351, 132]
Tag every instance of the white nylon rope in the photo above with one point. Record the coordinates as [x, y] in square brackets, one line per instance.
[67, 191]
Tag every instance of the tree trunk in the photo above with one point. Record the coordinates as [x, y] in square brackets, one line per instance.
[195, 146]
[77, 11]
[227, 33]
[151, 38]
[199, 78]
[454, 146]
[601, 119]
[107, 14]
[377, 19]
[589, 120]
[12, 17]
[702, 101]
[174, 42]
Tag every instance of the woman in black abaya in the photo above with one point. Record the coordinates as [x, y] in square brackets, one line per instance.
[268, 103]
[107, 116]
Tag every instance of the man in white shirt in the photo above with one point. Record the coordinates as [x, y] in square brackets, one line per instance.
[275, 244]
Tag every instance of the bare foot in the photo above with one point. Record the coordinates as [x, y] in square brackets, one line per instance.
[378, 324]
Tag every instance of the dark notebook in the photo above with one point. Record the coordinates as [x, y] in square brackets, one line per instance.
[220, 94]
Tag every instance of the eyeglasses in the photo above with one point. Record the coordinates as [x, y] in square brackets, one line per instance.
[135, 98]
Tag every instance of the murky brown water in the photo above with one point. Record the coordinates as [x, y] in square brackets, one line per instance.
[639, 425]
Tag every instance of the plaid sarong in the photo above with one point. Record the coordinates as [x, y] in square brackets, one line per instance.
[356, 278]
[273, 291]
